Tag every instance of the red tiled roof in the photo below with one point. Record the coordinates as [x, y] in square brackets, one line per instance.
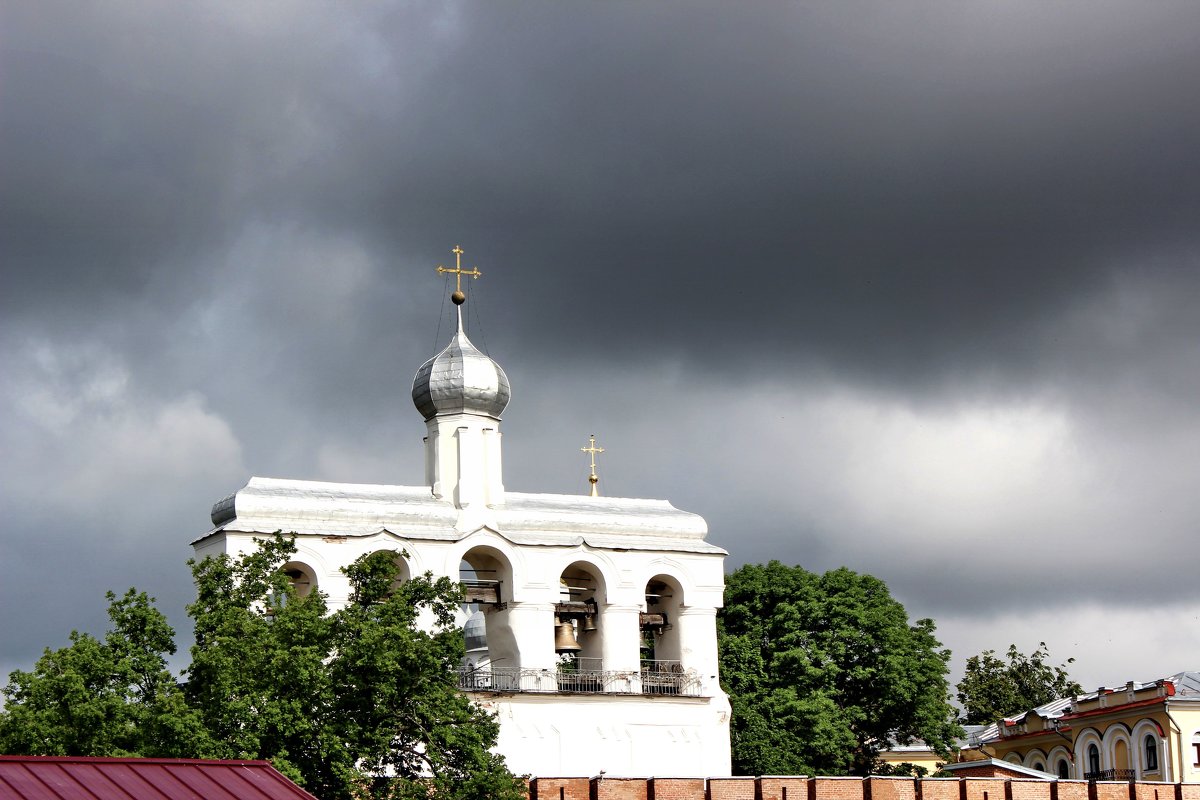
[66, 778]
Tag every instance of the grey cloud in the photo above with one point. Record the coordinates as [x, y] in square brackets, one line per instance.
[682, 212]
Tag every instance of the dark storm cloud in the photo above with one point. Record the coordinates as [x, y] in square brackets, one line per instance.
[790, 246]
[790, 169]
[782, 177]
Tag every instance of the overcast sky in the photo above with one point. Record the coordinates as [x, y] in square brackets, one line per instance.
[907, 287]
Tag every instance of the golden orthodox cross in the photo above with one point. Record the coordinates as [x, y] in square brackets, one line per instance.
[592, 450]
[458, 297]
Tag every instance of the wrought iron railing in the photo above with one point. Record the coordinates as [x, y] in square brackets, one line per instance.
[661, 676]
[1111, 775]
[514, 679]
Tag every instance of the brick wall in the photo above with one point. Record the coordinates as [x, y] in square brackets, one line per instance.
[799, 787]
[1069, 790]
[733, 789]
[890, 788]
[620, 789]
[776, 787]
[676, 789]
[983, 789]
[1110, 790]
[1029, 789]
[561, 789]
[984, 770]
[1154, 791]
[939, 788]
[836, 788]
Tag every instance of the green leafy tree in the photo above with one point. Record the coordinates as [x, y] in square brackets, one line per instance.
[993, 688]
[823, 671]
[397, 706]
[360, 703]
[259, 678]
[110, 697]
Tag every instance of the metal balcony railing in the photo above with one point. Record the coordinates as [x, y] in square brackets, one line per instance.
[579, 681]
[667, 677]
[1111, 775]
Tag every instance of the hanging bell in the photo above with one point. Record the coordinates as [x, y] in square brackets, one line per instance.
[564, 638]
[589, 623]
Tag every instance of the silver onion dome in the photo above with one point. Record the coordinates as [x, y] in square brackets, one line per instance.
[475, 632]
[460, 380]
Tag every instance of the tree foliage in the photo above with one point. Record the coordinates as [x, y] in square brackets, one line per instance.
[354, 704]
[110, 697]
[993, 688]
[823, 671]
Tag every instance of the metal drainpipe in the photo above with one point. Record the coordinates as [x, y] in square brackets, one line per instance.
[1179, 730]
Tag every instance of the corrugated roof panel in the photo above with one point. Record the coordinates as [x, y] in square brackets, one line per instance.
[164, 780]
[57, 782]
[65, 778]
[126, 780]
[22, 783]
[232, 784]
[87, 781]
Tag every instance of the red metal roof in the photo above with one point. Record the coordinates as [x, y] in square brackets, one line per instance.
[66, 778]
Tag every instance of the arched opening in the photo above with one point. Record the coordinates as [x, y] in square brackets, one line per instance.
[1120, 760]
[1150, 753]
[475, 655]
[1039, 766]
[662, 670]
[1064, 769]
[301, 576]
[1093, 760]
[578, 629]
[492, 660]
[403, 573]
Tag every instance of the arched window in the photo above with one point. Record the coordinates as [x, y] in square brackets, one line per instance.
[302, 577]
[1093, 759]
[662, 668]
[1151, 748]
[494, 660]
[1039, 766]
[1064, 769]
[1120, 755]
[1196, 749]
[578, 630]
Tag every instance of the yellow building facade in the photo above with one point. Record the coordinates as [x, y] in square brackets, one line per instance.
[1141, 731]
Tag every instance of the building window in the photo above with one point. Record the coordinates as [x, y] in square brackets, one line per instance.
[1093, 759]
[1196, 747]
[1151, 754]
[1064, 769]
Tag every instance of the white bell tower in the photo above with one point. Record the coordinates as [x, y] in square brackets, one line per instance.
[596, 644]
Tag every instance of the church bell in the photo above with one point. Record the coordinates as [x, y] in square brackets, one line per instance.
[589, 623]
[564, 638]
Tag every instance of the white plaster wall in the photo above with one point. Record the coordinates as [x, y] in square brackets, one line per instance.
[570, 734]
[534, 586]
[543, 735]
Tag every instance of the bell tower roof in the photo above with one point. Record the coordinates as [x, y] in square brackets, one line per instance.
[460, 380]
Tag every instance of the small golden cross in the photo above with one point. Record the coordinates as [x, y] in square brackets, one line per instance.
[458, 272]
[591, 450]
